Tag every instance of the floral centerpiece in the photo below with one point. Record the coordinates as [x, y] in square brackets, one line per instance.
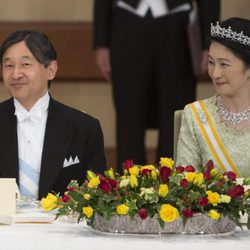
[163, 192]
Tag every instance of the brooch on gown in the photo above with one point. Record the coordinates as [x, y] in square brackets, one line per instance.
[202, 116]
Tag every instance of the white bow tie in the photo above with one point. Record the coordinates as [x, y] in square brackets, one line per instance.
[34, 115]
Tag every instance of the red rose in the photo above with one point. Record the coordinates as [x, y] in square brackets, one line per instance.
[231, 175]
[202, 201]
[165, 172]
[66, 198]
[104, 186]
[210, 165]
[143, 213]
[184, 183]
[236, 191]
[189, 168]
[112, 183]
[207, 176]
[188, 212]
[127, 164]
[180, 169]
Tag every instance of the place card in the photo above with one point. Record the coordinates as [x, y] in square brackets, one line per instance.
[8, 196]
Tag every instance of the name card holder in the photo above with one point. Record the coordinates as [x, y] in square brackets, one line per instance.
[8, 191]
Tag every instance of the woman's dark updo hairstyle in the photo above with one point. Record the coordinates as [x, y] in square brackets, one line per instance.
[237, 25]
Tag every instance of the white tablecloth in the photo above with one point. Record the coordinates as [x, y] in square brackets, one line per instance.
[63, 236]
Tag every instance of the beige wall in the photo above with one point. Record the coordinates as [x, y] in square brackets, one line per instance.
[46, 10]
[81, 10]
[94, 98]
[240, 8]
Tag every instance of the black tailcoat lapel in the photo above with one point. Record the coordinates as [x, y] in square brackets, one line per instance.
[58, 136]
[8, 141]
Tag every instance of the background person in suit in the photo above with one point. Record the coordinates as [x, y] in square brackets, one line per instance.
[142, 46]
[44, 144]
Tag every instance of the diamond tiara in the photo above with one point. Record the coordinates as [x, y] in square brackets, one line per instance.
[218, 31]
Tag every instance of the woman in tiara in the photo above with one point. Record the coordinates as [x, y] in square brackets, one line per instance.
[218, 128]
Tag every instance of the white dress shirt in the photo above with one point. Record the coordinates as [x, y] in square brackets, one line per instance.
[158, 8]
[30, 131]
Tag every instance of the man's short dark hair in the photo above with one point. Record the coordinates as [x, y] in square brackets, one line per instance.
[37, 42]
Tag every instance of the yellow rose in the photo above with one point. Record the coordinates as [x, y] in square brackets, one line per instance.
[225, 198]
[199, 179]
[50, 202]
[122, 209]
[168, 213]
[133, 181]
[163, 190]
[190, 176]
[86, 196]
[110, 173]
[134, 171]
[213, 214]
[167, 162]
[213, 197]
[88, 211]
[94, 181]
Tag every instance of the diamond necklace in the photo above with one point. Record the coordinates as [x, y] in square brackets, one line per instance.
[233, 118]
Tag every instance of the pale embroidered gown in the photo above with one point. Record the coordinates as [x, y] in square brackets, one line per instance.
[193, 150]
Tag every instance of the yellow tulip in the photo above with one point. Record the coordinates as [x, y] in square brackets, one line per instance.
[90, 174]
[134, 170]
[154, 175]
[50, 202]
[167, 162]
[199, 179]
[190, 176]
[215, 174]
[110, 173]
[94, 181]
[133, 181]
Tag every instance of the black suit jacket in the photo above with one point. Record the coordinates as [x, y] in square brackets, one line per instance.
[209, 11]
[69, 133]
